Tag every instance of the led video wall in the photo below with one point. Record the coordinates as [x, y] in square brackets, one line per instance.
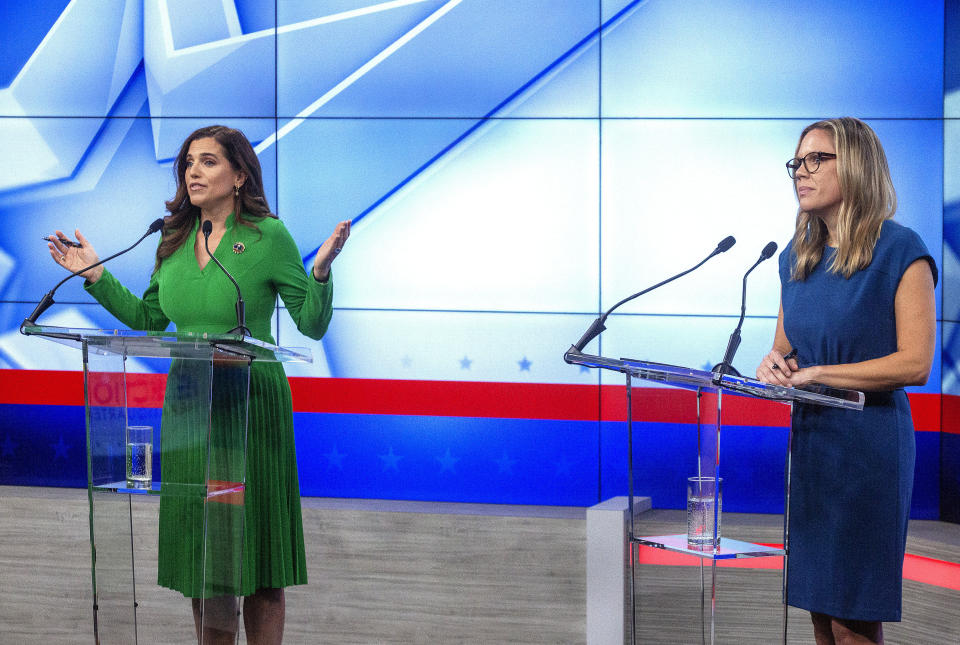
[511, 168]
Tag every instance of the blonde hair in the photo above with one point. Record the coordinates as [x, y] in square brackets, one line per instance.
[867, 200]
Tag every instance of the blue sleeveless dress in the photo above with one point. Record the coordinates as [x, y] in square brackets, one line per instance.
[852, 475]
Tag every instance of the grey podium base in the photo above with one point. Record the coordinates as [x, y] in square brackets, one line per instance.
[609, 617]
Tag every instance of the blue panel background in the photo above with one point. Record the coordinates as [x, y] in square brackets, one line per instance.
[480, 247]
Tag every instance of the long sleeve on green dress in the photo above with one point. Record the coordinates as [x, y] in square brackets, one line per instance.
[309, 302]
[136, 313]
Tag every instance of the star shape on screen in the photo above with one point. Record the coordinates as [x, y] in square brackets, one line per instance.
[465, 363]
[391, 461]
[706, 367]
[505, 464]
[584, 369]
[60, 449]
[8, 447]
[406, 361]
[448, 462]
[335, 458]
[524, 364]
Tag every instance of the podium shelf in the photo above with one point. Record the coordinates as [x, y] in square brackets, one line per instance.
[729, 549]
[195, 491]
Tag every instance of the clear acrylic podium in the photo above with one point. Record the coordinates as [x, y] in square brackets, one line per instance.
[709, 390]
[200, 448]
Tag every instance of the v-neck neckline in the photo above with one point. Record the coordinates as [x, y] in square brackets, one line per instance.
[196, 231]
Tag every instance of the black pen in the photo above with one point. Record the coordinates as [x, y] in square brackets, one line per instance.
[791, 354]
[63, 241]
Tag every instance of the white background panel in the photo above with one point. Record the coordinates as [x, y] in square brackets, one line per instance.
[506, 221]
[672, 189]
[521, 348]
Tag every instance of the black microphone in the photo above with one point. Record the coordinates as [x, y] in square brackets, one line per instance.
[47, 300]
[733, 344]
[597, 326]
[206, 228]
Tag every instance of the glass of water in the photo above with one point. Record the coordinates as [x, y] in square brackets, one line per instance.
[139, 456]
[704, 505]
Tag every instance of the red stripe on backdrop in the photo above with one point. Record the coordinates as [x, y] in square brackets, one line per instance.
[939, 573]
[951, 413]
[457, 399]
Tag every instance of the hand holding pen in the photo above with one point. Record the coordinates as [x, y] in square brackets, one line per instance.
[777, 368]
[74, 256]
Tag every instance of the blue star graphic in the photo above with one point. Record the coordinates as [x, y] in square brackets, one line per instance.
[505, 464]
[584, 369]
[406, 361]
[448, 462]
[60, 449]
[465, 363]
[706, 367]
[563, 466]
[524, 364]
[390, 461]
[335, 458]
[9, 446]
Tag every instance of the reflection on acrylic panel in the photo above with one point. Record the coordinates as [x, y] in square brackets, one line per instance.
[518, 227]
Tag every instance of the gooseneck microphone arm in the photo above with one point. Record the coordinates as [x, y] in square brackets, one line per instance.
[47, 299]
[598, 325]
[726, 365]
[241, 328]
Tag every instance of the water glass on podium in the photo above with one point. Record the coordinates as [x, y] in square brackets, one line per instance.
[139, 456]
[704, 503]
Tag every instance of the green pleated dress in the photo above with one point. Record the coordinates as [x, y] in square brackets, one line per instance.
[265, 264]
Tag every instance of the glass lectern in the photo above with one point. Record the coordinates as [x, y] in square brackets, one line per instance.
[709, 389]
[200, 448]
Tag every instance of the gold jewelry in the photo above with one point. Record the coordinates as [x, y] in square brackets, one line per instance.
[236, 190]
[239, 248]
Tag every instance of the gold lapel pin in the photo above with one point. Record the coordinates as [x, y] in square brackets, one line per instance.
[239, 248]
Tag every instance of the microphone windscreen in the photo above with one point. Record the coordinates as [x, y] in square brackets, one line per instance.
[726, 243]
[207, 227]
[155, 226]
[768, 250]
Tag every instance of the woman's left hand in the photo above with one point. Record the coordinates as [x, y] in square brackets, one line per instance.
[329, 250]
[803, 376]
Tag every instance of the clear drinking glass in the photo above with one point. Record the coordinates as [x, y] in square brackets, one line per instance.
[704, 503]
[139, 456]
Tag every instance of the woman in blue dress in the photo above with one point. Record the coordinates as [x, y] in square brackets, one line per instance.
[857, 308]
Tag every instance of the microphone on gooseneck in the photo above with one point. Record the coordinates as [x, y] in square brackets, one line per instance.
[726, 365]
[598, 325]
[47, 300]
[206, 228]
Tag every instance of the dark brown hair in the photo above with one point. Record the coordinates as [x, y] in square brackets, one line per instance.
[248, 206]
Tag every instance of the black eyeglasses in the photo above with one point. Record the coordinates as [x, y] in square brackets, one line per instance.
[811, 162]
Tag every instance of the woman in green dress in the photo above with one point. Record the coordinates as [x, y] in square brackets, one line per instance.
[218, 176]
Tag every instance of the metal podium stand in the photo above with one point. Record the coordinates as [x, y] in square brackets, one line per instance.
[202, 438]
[709, 388]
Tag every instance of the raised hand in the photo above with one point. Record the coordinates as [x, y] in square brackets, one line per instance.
[73, 258]
[329, 250]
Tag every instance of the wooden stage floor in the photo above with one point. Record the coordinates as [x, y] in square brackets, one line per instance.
[418, 572]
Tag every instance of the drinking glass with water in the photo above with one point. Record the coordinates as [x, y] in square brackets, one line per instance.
[139, 456]
[704, 503]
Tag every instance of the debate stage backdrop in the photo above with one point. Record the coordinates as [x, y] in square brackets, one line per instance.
[511, 168]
